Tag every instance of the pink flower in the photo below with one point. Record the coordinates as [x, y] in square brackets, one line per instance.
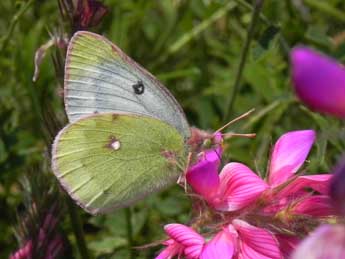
[237, 187]
[52, 248]
[88, 13]
[237, 240]
[49, 243]
[289, 154]
[252, 217]
[82, 14]
[326, 242]
[222, 245]
[256, 242]
[205, 174]
[319, 81]
[184, 240]
[24, 252]
[317, 205]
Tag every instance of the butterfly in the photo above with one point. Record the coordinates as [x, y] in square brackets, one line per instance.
[127, 137]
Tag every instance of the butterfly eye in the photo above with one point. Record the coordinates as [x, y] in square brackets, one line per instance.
[138, 87]
[207, 143]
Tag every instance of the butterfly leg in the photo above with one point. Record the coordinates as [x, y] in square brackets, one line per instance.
[182, 178]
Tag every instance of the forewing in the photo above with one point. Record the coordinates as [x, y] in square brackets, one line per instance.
[108, 161]
[99, 77]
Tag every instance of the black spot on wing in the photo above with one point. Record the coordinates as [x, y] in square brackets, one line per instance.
[139, 87]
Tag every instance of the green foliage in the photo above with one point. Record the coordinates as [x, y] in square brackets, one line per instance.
[194, 48]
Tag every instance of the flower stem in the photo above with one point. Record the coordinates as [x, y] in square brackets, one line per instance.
[77, 229]
[14, 21]
[232, 97]
[129, 232]
[282, 40]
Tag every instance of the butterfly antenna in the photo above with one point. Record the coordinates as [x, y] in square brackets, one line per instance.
[244, 115]
[233, 134]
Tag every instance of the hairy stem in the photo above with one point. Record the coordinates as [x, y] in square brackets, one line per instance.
[232, 97]
[77, 229]
[129, 232]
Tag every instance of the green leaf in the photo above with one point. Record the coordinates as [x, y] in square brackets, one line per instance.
[107, 244]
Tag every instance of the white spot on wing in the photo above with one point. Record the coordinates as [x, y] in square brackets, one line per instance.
[115, 145]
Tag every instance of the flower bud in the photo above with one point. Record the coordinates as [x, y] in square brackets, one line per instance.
[319, 81]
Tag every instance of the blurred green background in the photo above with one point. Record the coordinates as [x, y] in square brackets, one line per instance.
[194, 48]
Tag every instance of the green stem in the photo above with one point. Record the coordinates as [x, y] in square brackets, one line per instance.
[77, 229]
[232, 97]
[14, 21]
[129, 232]
[283, 42]
[245, 4]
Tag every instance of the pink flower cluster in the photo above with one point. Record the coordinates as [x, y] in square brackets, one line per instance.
[243, 216]
[319, 82]
[49, 244]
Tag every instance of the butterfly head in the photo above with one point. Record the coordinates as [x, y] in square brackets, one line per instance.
[201, 140]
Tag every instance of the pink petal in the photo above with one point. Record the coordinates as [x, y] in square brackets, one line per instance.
[256, 243]
[319, 183]
[24, 252]
[173, 248]
[287, 244]
[221, 246]
[203, 176]
[317, 205]
[239, 187]
[289, 153]
[186, 236]
[326, 242]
